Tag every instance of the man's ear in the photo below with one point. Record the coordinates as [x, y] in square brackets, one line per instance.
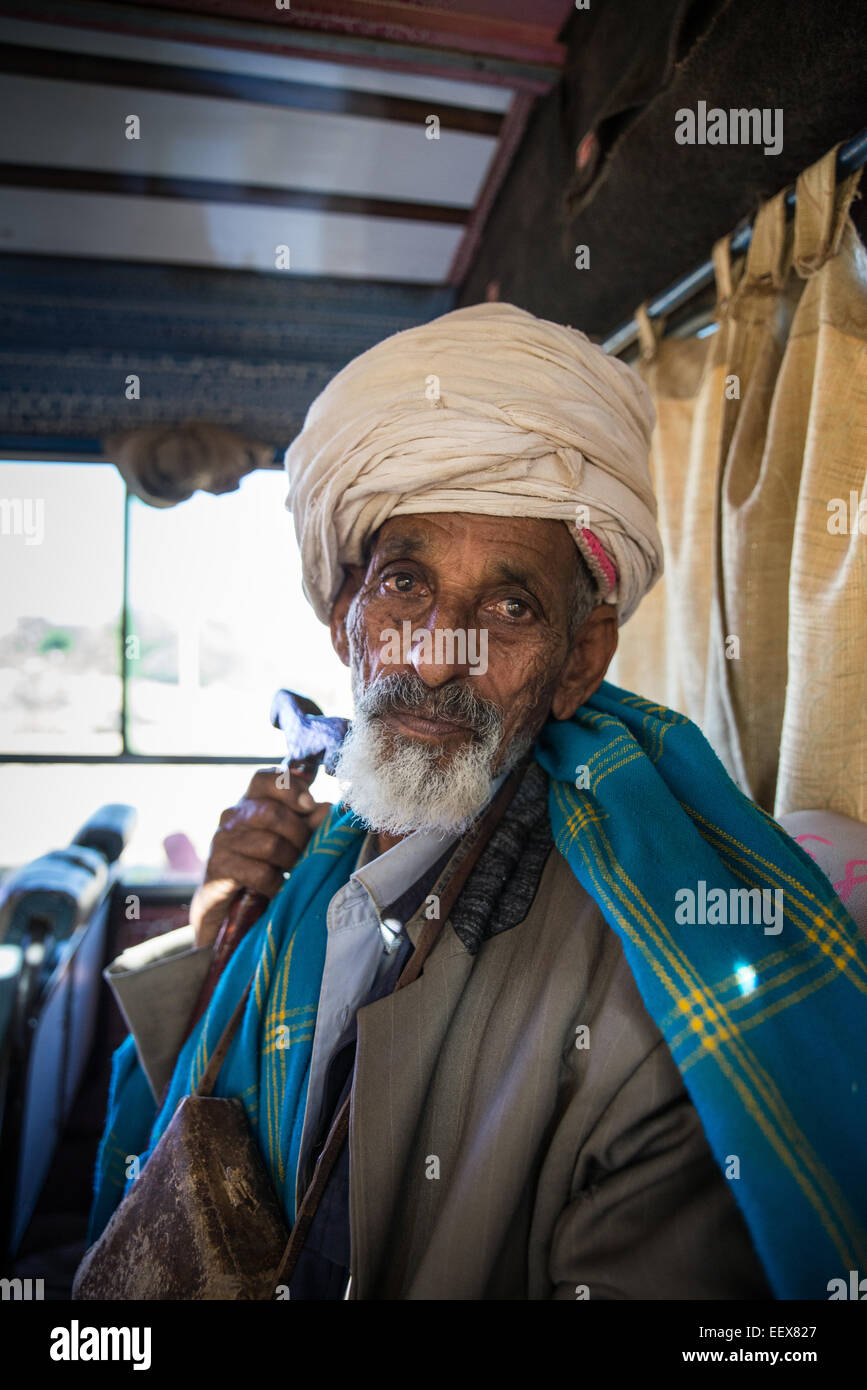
[592, 649]
[353, 579]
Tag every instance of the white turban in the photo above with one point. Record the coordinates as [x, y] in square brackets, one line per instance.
[486, 409]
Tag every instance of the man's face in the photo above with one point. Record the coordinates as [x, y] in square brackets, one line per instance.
[459, 638]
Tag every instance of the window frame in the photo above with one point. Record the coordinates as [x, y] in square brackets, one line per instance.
[126, 755]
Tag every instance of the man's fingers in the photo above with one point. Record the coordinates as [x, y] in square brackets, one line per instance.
[264, 845]
[257, 841]
[286, 787]
[265, 813]
[241, 871]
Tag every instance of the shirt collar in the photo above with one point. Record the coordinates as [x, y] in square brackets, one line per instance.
[386, 876]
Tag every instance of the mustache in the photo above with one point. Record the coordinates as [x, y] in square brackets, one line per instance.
[406, 693]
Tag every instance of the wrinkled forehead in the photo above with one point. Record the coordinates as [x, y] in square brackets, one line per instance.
[439, 536]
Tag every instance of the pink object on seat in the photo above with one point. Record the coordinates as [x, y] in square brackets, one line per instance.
[839, 846]
[181, 855]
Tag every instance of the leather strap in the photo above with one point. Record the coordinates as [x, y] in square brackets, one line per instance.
[218, 1056]
[244, 911]
[464, 860]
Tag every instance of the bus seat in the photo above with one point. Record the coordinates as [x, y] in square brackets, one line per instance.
[11, 961]
[51, 895]
[54, 914]
[108, 830]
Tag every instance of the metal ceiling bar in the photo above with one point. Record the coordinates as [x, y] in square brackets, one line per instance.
[850, 157]
[61, 179]
[505, 29]
[179, 27]
[64, 65]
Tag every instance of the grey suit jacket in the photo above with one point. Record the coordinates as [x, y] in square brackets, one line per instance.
[495, 1156]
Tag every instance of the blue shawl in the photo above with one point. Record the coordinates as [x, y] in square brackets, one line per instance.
[656, 831]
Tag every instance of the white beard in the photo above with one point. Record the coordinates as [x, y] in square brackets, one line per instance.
[397, 784]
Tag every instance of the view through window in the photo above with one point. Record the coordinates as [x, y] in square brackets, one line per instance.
[215, 622]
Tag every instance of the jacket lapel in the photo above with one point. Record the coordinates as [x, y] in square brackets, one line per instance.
[399, 1041]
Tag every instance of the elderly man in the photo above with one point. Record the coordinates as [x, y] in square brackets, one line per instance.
[484, 1054]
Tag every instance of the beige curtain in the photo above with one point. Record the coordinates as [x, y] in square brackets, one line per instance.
[758, 629]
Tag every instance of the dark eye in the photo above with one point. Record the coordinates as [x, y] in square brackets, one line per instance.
[514, 607]
[398, 583]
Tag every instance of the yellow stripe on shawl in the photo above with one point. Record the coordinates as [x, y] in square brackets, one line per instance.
[802, 912]
[776, 1122]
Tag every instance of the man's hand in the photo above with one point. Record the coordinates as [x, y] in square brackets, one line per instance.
[257, 841]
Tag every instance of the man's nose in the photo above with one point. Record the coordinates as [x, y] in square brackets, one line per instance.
[441, 645]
